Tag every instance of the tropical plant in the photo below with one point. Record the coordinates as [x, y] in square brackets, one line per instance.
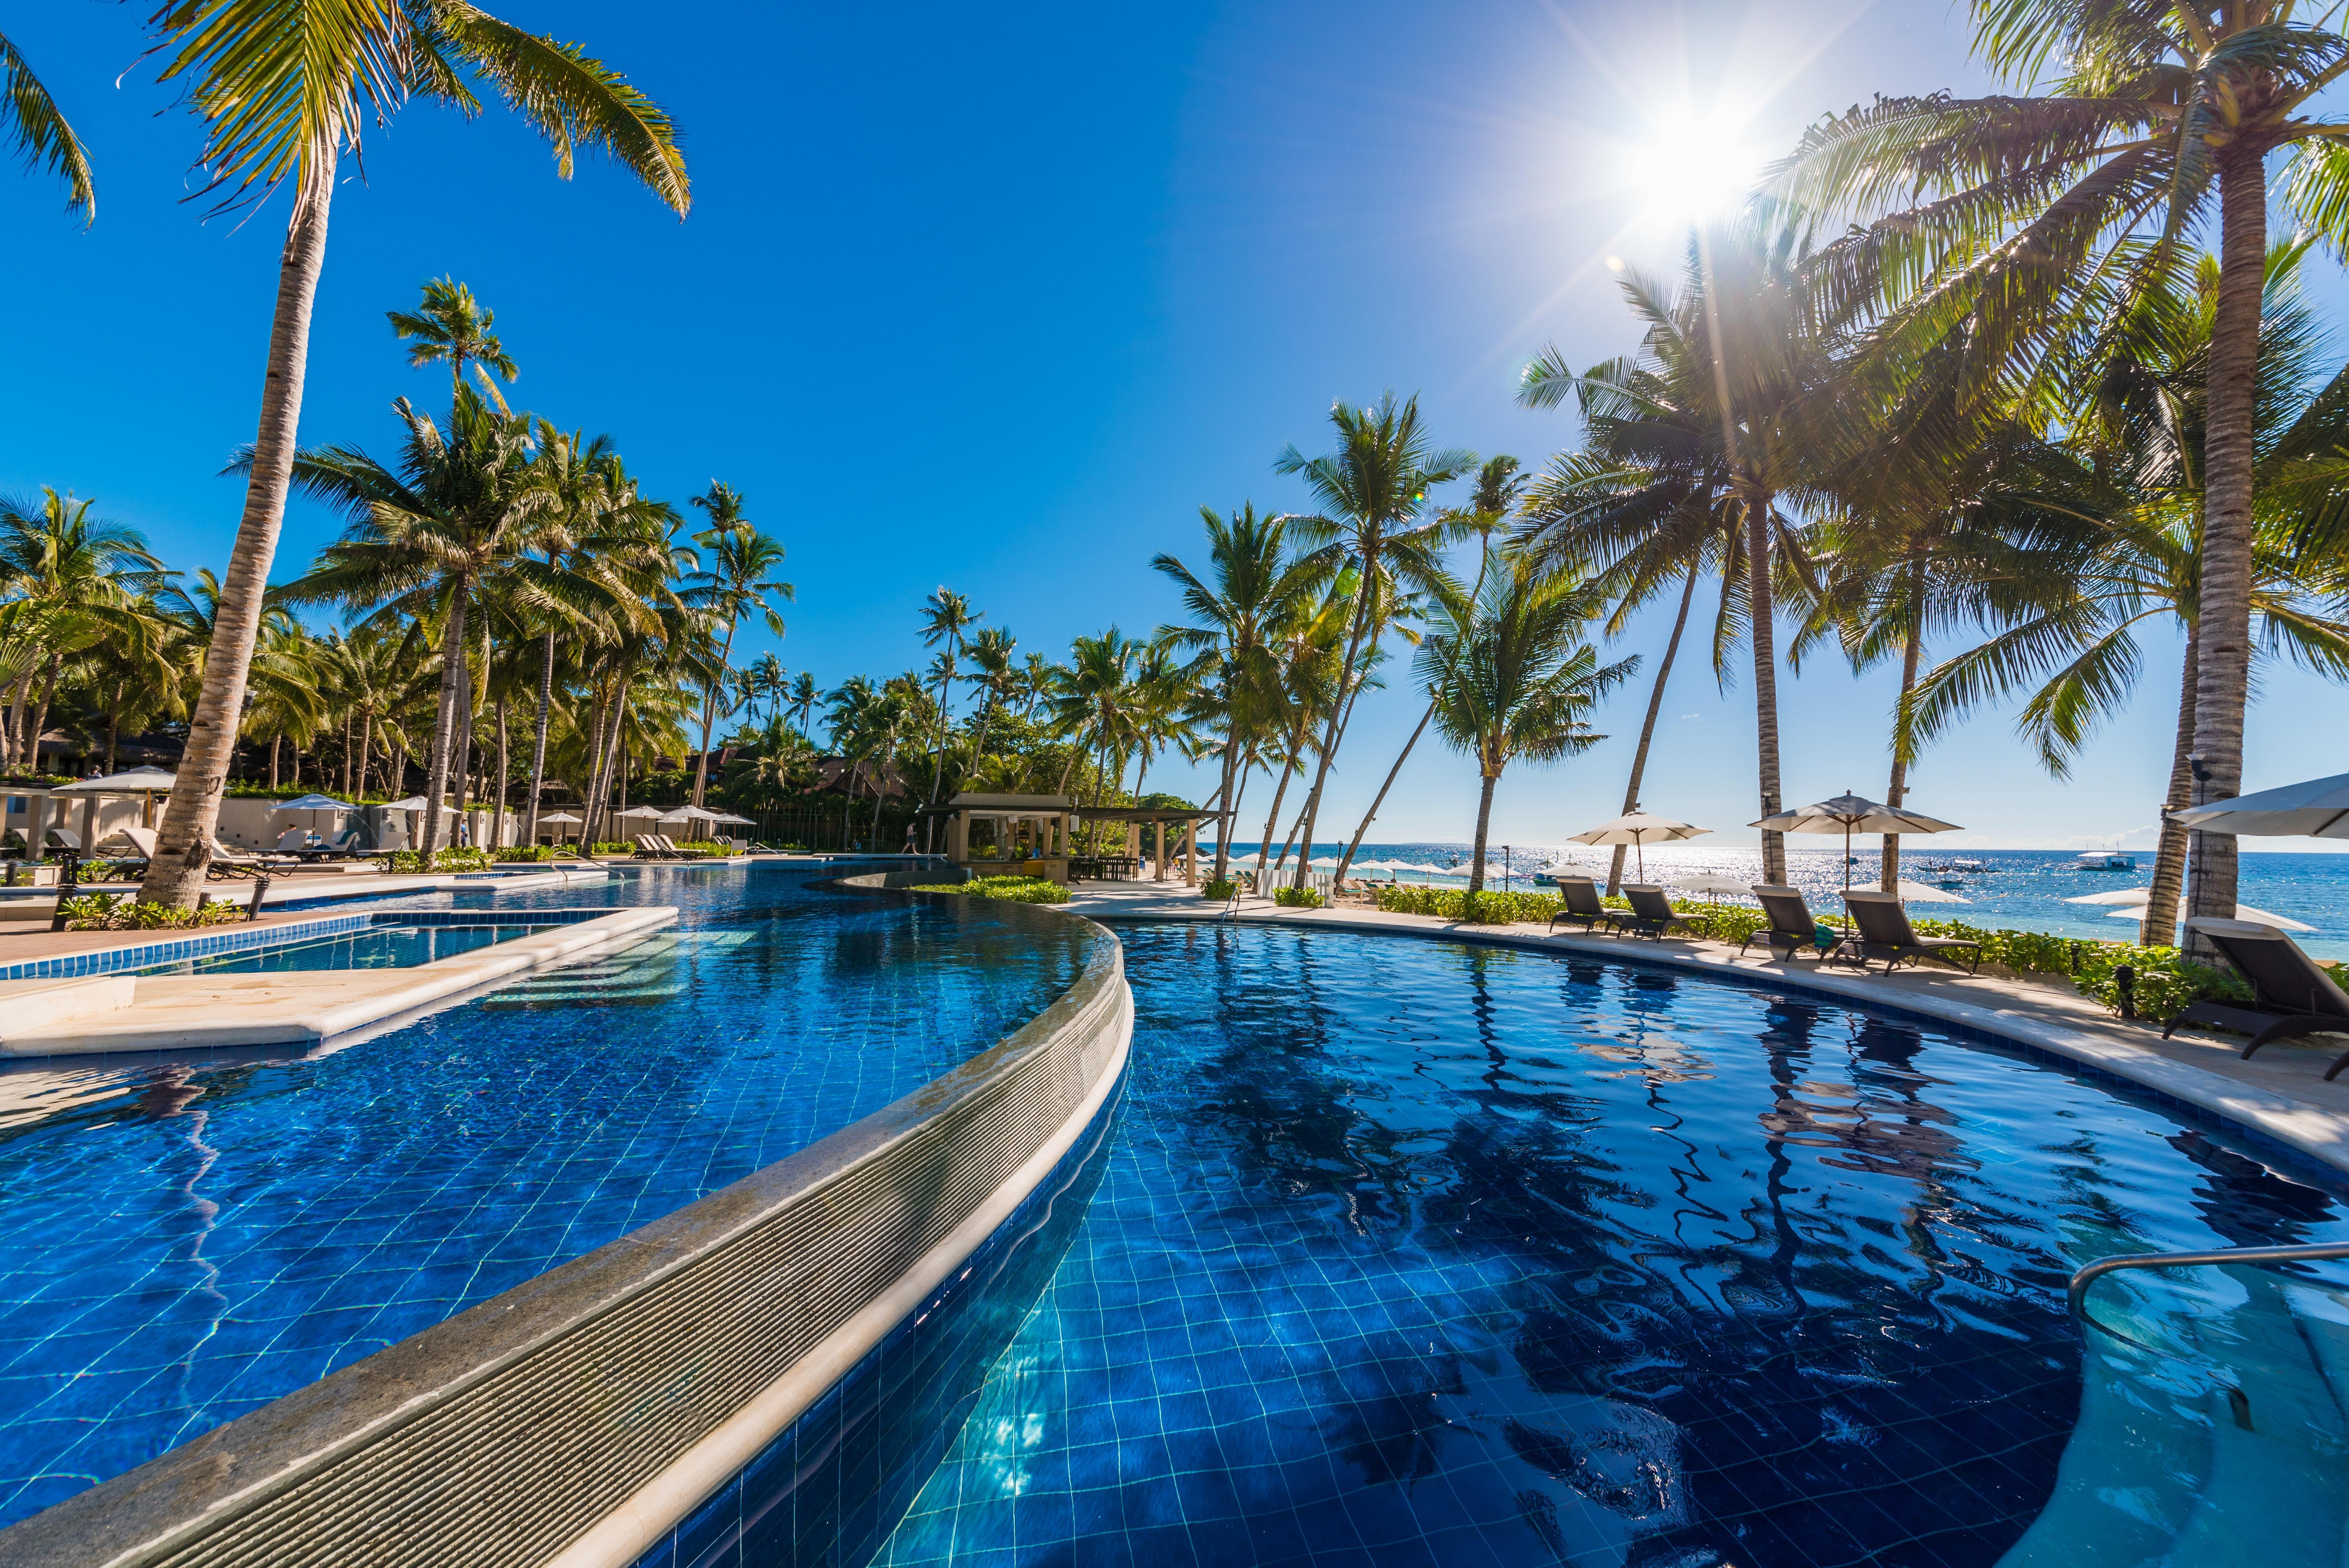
[74, 582]
[738, 582]
[451, 327]
[285, 93]
[946, 618]
[1511, 676]
[1372, 491]
[2039, 218]
[32, 122]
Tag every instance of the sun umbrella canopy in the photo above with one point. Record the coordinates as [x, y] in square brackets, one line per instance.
[1638, 829]
[2317, 809]
[1713, 884]
[1917, 893]
[129, 781]
[737, 821]
[413, 803]
[1850, 813]
[313, 803]
[2242, 912]
[2137, 895]
[685, 814]
[561, 816]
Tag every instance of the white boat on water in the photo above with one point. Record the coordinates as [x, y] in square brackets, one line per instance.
[2104, 861]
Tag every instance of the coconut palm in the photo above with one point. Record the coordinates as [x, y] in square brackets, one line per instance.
[33, 123]
[2033, 216]
[1499, 487]
[451, 327]
[1091, 704]
[804, 695]
[990, 655]
[1252, 595]
[1512, 678]
[1373, 490]
[948, 618]
[74, 582]
[285, 93]
[738, 582]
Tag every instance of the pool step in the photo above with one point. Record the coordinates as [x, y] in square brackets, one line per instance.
[648, 972]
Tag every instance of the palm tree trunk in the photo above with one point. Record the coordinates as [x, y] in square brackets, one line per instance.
[709, 715]
[881, 788]
[1222, 837]
[498, 818]
[1380, 798]
[1483, 822]
[1363, 594]
[2224, 618]
[114, 729]
[1648, 728]
[460, 751]
[1766, 676]
[1903, 743]
[275, 741]
[946, 733]
[183, 844]
[41, 714]
[454, 677]
[1272, 818]
[538, 741]
[2161, 928]
[367, 752]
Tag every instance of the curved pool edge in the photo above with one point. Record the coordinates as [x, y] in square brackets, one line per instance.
[2112, 1051]
[578, 1414]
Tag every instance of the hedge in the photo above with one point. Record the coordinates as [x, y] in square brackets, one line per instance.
[1018, 890]
[112, 912]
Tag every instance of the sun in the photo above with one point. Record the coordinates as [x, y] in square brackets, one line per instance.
[1691, 167]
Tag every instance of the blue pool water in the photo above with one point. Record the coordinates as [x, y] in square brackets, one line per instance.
[1414, 1253]
[381, 947]
[186, 1239]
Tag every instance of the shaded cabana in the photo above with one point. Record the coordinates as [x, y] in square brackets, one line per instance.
[1184, 820]
[1029, 833]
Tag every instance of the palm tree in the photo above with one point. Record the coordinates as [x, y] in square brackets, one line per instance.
[947, 617]
[1372, 490]
[991, 653]
[74, 582]
[2043, 213]
[422, 541]
[1512, 677]
[1240, 612]
[803, 698]
[39, 131]
[1734, 407]
[285, 93]
[866, 723]
[1498, 487]
[452, 327]
[2146, 551]
[1091, 704]
[284, 680]
[736, 583]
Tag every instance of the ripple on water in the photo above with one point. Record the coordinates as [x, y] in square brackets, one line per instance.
[1410, 1252]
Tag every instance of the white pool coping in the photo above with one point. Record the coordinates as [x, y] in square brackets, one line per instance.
[98, 1013]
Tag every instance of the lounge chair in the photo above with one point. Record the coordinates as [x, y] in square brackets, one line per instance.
[226, 863]
[65, 839]
[2290, 994]
[1885, 933]
[1578, 900]
[648, 848]
[1651, 912]
[1791, 925]
[293, 841]
[676, 850]
[137, 846]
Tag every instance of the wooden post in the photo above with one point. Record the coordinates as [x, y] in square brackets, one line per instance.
[1191, 853]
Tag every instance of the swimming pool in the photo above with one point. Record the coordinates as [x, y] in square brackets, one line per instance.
[396, 947]
[1416, 1254]
[188, 1238]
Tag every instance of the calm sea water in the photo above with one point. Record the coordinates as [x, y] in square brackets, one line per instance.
[2023, 890]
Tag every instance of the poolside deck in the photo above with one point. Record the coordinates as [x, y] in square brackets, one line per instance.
[2280, 1092]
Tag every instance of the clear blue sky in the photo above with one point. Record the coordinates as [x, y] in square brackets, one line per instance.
[997, 298]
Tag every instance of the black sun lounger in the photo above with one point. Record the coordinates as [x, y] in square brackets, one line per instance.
[2290, 996]
[1791, 925]
[1578, 900]
[1884, 932]
[1651, 912]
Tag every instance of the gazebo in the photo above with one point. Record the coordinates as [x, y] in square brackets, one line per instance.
[1184, 819]
[1029, 833]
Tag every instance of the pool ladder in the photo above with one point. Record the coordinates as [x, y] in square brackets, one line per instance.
[2095, 1271]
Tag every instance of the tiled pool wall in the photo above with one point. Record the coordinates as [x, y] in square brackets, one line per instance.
[832, 1486]
[238, 939]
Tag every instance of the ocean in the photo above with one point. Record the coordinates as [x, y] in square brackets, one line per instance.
[2023, 890]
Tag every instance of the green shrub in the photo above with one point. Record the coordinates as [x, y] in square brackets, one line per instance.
[1018, 890]
[119, 912]
[411, 863]
[611, 847]
[531, 853]
[1296, 897]
[1219, 891]
[707, 846]
[1488, 907]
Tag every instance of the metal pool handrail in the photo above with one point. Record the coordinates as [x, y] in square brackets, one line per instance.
[2087, 1276]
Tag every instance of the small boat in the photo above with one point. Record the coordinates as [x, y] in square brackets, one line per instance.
[2104, 861]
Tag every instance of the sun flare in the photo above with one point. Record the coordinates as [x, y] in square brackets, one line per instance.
[1691, 167]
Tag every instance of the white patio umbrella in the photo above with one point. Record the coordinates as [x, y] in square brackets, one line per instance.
[2242, 912]
[412, 803]
[144, 782]
[1919, 893]
[730, 818]
[1636, 830]
[313, 803]
[1711, 886]
[1848, 814]
[2315, 808]
[2122, 896]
